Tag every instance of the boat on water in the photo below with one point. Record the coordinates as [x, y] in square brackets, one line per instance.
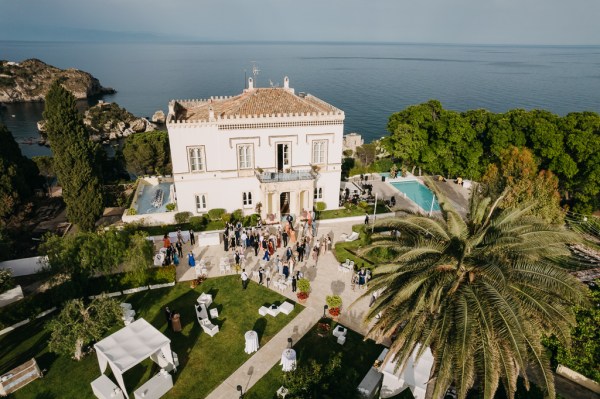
[158, 198]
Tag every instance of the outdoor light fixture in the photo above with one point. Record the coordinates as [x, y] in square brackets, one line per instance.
[290, 342]
[239, 388]
[268, 280]
[325, 310]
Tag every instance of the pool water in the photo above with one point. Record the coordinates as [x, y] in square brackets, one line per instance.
[418, 194]
[144, 203]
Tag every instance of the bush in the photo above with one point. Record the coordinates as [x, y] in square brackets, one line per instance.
[6, 281]
[237, 216]
[251, 220]
[226, 217]
[320, 206]
[198, 223]
[182, 217]
[216, 214]
[303, 285]
[333, 301]
[170, 207]
[363, 205]
[132, 211]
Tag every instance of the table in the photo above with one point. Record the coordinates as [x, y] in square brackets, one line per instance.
[104, 388]
[288, 360]
[251, 342]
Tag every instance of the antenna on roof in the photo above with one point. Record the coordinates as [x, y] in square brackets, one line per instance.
[255, 72]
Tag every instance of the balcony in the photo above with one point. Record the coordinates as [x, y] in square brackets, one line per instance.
[295, 175]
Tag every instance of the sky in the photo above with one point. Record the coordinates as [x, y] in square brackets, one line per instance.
[546, 22]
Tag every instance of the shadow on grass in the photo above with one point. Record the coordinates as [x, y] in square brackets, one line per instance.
[45, 395]
[260, 326]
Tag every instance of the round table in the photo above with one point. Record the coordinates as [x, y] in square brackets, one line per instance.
[288, 360]
[251, 342]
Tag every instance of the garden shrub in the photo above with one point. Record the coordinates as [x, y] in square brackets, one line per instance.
[170, 207]
[251, 220]
[237, 215]
[6, 281]
[132, 211]
[226, 217]
[182, 217]
[320, 206]
[216, 214]
[198, 223]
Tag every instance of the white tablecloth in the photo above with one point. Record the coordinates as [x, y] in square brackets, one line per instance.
[288, 360]
[251, 342]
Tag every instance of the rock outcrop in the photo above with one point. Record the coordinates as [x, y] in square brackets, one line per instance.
[159, 117]
[30, 80]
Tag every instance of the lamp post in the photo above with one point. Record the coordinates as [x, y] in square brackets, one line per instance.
[290, 342]
[239, 388]
[268, 281]
[325, 309]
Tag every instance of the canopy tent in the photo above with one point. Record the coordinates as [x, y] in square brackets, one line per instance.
[415, 375]
[130, 346]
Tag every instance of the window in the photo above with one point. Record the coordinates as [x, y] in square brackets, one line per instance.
[247, 198]
[196, 158]
[200, 203]
[318, 153]
[319, 193]
[245, 156]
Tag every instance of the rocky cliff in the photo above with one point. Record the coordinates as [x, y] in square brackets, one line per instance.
[30, 80]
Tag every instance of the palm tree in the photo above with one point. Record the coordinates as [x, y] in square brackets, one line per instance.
[479, 292]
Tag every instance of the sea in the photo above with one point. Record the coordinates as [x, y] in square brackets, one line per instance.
[368, 82]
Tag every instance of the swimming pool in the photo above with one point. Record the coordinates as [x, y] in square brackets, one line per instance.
[147, 195]
[418, 194]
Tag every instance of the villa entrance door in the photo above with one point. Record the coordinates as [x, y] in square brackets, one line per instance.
[284, 203]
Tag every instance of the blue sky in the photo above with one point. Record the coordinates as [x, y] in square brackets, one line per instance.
[421, 21]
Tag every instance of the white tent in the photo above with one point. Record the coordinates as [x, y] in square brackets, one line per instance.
[414, 376]
[130, 346]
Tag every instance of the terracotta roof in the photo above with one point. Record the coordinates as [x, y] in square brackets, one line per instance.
[260, 101]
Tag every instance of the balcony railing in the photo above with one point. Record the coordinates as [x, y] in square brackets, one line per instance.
[295, 175]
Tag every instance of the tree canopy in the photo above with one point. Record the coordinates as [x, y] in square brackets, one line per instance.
[463, 144]
[479, 292]
[75, 158]
[148, 153]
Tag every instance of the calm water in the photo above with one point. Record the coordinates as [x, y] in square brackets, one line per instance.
[418, 194]
[368, 82]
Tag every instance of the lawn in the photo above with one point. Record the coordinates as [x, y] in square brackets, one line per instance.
[357, 358]
[204, 361]
[353, 210]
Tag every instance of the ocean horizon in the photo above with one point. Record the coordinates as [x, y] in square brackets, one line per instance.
[367, 80]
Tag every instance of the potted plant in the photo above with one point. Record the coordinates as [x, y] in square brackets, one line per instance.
[303, 286]
[334, 303]
[323, 328]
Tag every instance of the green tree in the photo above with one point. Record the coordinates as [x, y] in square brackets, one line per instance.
[18, 175]
[366, 153]
[479, 292]
[148, 153]
[78, 324]
[75, 157]
[516, 176]
[312, 380]
[138, 258]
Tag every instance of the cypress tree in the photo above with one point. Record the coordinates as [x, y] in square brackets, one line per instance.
[74, 158]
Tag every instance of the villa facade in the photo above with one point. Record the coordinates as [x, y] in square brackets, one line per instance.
[266, 145]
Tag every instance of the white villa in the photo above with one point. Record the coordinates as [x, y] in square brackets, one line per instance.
[265, 145]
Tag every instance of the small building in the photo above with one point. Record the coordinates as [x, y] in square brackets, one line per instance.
[266, 145]
[351, 141]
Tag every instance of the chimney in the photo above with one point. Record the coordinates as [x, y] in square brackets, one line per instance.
[250, 84]
[211, 114]
[286, 83]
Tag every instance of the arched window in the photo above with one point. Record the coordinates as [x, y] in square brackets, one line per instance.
[200, 203]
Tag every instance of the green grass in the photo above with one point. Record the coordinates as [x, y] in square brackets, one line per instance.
[357, 358]
[353, 210]
[204, 361]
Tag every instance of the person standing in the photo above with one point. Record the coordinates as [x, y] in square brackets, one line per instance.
[366, 219]
[168, 316]
[244, 277]
[166, 241]
[179, 236]
[288, 253]
[192, 237]
[293, 283]
[256, 245]
[284, 237]
[191, 260]
[179, 248]
[260, 275]
[301, 251]
[266, 256]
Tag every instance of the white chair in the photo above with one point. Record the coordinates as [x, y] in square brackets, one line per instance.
[282, 392]
[286, 308]
[352, 237]
[206, 299]
[126, 306]
[263, 311]
[341, 340]
[209, 328]
[214, 313]
[128, 313]
[273, 310]
[201, 313]
[340, 331]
